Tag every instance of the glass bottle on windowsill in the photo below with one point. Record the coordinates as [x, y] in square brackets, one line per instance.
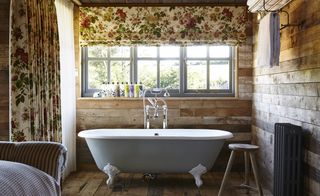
[117, 90]
[108, 90]
[140, 89]
[126, 90]
[122, 89]
[131, 90]
[136, 90]
[112, 90]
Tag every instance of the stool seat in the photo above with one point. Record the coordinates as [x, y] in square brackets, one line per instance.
[243, 147]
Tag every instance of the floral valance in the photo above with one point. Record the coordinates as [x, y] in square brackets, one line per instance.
[162, 25]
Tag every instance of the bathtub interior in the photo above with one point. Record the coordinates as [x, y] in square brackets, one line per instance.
[154, 134]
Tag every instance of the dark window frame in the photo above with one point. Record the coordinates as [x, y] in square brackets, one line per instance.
[182, 91]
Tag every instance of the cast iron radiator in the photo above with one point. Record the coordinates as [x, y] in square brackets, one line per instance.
[288, 160]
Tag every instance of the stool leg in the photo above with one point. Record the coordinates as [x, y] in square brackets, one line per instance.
[246, 168]
[224, 180]
[255, 172]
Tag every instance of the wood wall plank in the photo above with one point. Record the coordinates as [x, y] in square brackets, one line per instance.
[4, 34]
[4, 105]
[4, 74]
[290, 92]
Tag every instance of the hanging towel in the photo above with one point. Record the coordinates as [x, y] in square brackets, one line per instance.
[269, 40]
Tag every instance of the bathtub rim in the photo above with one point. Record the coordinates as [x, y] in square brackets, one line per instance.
[86, 135]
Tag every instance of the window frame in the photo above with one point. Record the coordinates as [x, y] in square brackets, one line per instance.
[212, 92]
[182, 91]
[173, 92]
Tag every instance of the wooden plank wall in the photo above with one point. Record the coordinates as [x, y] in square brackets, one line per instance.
[4, 69]
[232, 115]
[290, 92]
[228, 114]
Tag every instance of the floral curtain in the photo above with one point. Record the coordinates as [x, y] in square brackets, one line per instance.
[162, 25]
[34, 71]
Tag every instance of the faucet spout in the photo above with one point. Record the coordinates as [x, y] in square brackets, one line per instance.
[156, 114]
[165, 117]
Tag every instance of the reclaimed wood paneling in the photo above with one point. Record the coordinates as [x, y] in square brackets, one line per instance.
[4, 73]
[233, 114]
[4, 34]
[291, 92]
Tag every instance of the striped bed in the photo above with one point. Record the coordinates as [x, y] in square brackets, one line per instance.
[49, 157]
[21, 179]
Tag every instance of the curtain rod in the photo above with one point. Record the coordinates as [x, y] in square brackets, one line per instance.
[158, 4]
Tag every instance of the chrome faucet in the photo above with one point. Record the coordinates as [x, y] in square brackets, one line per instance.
[155, 106]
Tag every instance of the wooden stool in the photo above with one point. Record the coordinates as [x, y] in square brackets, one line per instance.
[247, 149]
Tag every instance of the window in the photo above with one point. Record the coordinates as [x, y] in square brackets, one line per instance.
[159, 66]
[186, 71]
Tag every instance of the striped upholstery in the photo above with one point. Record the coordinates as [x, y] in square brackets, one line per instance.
[6, 149]
[49, 157]
[20, 179]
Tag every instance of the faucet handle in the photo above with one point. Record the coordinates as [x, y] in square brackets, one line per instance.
[156, 90]
[166, 94]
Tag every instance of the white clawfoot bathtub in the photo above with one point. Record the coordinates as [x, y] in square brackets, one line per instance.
[155, 150]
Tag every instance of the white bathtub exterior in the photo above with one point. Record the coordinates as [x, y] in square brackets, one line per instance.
[139, 150]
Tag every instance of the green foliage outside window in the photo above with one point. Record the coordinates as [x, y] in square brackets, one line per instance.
[160, 67]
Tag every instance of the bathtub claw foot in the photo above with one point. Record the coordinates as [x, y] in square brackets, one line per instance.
[197, 172]
[111, 171]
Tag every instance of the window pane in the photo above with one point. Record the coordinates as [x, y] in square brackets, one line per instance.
[120, 52]
[219, 51]
[219, 74]
[120, 71]
[196, 75]
[97, 74]
[147, 51]
[169, 51]
[147, 73]
[169, 74]
[97, 51]
[196, 51]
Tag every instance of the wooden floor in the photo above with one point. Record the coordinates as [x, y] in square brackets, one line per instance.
[126, 184]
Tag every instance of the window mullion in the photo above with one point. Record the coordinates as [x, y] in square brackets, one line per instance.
[232, 69]
[87, 69]
[109, 65]
[85, 72]
[133, 62]
[183, 72]
[158, 66]
[208, 69]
